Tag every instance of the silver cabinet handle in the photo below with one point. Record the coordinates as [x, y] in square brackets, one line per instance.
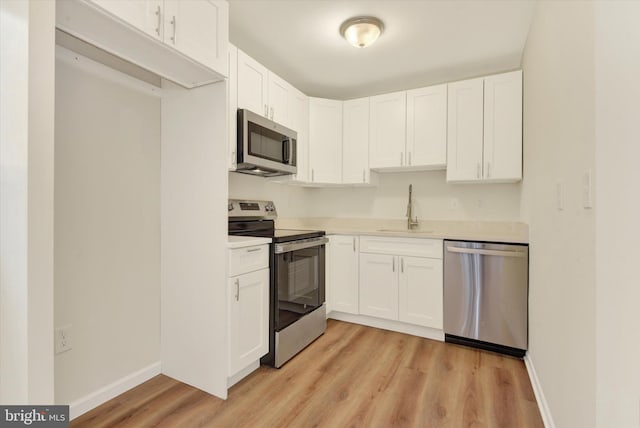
[159, 15]
[478, 170]
[354, 244]
[173, 22]
[393, 261]
[401, 158]
[409, 158]
[271, 113]
[402, 265]
[500, 253]
[237, 289]
[253, 250]
[266, 110]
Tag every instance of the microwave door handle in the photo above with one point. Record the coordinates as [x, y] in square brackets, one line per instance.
[285, 150]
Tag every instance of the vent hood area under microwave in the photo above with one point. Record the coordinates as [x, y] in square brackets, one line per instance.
[264, 148]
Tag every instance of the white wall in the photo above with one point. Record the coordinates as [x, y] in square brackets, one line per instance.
[433, 199]
[290, 201]
[107, 225]
[26, 201]
[559, 144]
[617, 55]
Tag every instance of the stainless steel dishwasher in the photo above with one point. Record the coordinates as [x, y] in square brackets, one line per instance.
[486, 295]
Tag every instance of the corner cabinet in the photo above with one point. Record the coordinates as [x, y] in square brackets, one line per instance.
[342, 273]
[248, 308]
[401, 279]
[325, 140]
[484, 140]
[185, 42]
[355, 141]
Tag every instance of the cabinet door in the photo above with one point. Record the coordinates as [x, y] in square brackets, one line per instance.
[248, 319]
[145, 15]
[232, 99]
[465, 130]
[278, 94]
[200, 30]
[427, 127]
[299, 115]
[342, 273]
[503, 127]
[355, 141]
[387, 130]
[420, 294]
[252, 84]
[379, 286]
[325, 140]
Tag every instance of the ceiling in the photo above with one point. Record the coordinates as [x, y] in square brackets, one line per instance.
[424, 42]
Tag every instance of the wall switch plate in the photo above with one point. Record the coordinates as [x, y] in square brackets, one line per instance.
[62, 339]
[587, 190]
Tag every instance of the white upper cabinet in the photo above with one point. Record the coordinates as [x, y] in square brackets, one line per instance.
[427, 128]
[279, 99]
[192, 28]
[325, 140]
[262, 91]
[299, 116]
[503, 127]
[485, 129]
[355, 141]
[387, 130]
[182, 41]
[253, 84]
[464, 145]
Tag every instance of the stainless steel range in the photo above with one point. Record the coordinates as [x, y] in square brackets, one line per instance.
[297, 313]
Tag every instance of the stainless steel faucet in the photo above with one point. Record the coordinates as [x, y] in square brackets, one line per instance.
[411, 223]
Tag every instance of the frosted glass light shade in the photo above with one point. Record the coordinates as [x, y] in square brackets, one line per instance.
[361, 31]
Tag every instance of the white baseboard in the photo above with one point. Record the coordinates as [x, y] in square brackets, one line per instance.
[537, 390]
[400, 327]
[112, 390]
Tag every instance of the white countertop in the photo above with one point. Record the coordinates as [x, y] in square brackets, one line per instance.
[491, 231]
[246, 241]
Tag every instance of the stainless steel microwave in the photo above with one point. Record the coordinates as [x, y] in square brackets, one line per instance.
[265, 148]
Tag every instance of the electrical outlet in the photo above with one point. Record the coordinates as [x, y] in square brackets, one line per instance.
[63, 339]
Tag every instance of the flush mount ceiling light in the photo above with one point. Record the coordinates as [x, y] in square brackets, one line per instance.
[361, 31]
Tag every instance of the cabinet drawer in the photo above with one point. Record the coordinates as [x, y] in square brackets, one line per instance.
[416, 247]
[248, 259]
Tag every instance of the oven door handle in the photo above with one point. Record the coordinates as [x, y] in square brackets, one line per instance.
[287, 247]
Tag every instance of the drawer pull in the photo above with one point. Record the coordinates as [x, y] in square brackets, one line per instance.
[253, 250]
[237, 289]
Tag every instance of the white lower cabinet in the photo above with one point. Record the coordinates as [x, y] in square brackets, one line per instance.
[420, 291]
[248, 307]
[342, 274]
[397, 285]
[248, 319]
[379, 286]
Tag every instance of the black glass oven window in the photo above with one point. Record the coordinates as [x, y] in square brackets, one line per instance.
[298, 284]
[267, 144]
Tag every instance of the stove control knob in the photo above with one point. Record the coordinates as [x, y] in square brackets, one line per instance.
[230, 207]
[269, 208]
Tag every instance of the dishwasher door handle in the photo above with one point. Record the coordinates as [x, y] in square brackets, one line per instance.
[481, 252]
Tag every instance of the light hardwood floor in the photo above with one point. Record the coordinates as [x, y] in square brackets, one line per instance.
[352, 376]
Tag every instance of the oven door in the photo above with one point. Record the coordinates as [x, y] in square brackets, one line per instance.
[300, 279]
